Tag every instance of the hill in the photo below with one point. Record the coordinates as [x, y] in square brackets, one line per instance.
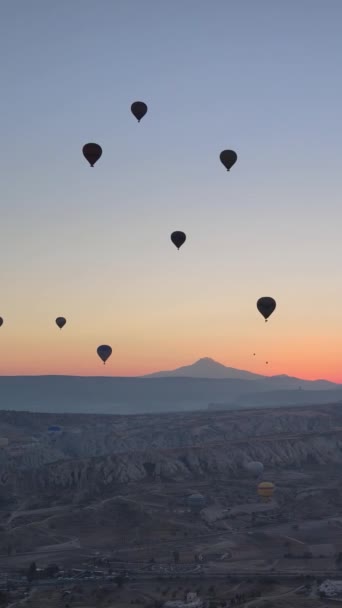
[208, 368]
[178, 391]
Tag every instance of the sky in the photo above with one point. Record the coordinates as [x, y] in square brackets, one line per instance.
[93, 244]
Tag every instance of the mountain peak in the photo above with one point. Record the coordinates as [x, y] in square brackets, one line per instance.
[205, 367]
[206, 361]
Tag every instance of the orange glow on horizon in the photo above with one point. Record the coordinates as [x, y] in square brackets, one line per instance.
[114, 368]
[178, 336]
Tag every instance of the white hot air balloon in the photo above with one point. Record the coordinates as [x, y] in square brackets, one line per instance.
[255, 468]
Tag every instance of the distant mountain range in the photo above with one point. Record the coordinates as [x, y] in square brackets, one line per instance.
[188, 388]
[208, 368]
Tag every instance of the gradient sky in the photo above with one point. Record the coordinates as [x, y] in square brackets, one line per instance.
[260, 77]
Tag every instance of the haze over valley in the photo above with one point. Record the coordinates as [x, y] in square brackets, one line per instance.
[204, 384]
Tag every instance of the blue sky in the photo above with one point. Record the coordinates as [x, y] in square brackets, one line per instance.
[262, 78]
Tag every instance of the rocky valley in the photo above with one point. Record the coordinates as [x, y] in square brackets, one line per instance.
[122, 490]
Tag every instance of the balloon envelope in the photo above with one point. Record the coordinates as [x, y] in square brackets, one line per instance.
[60, 321]
[139, 109]
[196, 501]
[266, 306]
[1, 321]
[104, 352]
[255, 468]
[178, 238]
[266, 489]
[54, 428]
[228, 158]
[92, 153]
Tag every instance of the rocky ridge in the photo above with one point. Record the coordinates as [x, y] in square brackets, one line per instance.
[175, 447]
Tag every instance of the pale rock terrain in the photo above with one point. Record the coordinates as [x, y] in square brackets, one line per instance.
[175, 447]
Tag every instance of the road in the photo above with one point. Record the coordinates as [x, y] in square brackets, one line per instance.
[202, 575]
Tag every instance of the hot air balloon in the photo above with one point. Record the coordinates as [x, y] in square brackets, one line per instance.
[255, 468]
[54, 429]
[265, 490]
[1, 321]
[104, 352]
[92, 152]
[60, 322]
[266, 306]
[139, 109]
[178, 238]
[196, 502]
[228, 158]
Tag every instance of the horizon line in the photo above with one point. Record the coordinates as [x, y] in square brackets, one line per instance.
[152, 376]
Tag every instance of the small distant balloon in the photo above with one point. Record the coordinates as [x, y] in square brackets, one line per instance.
[60, 322]
[178, 238]
[54, 428]
[228, 158]
[139, 109]
[266, 362]
[104, 352]
[266, 306]
[255, 467]
[265, 490]
[92, 153]
[1, 321]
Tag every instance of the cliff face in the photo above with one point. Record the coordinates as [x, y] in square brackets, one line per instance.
[176, 447]
[187, 463]
[124, 434]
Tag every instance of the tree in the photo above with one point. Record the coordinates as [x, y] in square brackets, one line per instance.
[31, 573]
[176, 557]
[51, 570]
[119, 580]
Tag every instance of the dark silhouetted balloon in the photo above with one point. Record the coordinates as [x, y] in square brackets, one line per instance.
[92, 152]
[104, 352]
[178, 238]
[228, 158]
[266, 306]
[1, 321]
[60, 321]
[139, 109]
